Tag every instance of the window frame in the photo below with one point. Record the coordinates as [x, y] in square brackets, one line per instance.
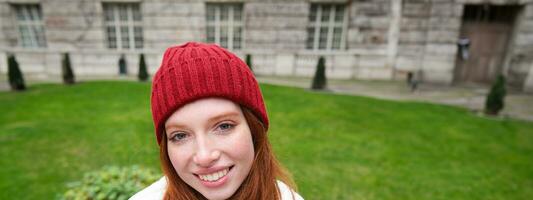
[130, 23]
[30, 9]
[231, 24]
[331, 24]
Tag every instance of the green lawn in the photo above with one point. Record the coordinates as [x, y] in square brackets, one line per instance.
[337, 147]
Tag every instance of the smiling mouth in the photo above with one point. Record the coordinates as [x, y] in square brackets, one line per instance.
[215, 176]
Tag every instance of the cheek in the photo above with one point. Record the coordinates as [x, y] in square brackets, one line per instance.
[177, 158]
[242, 148]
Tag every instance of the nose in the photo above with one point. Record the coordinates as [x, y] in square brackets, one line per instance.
[206, 153]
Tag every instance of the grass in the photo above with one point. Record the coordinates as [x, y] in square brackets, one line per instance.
[337, 147]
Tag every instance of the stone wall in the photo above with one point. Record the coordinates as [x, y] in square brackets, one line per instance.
[429, 32]
[428, 36]
[77, 27]
[413, 35]
[384, 38]
[521, 55]
[274, 26]
[441, 42]
[368, 38]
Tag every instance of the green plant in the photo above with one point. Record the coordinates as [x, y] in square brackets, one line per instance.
[66, 68]
[110, 183]
[249, 61]
[495, 99]
[319, 80]
[143, 72]
[122, 66]
[16, 80]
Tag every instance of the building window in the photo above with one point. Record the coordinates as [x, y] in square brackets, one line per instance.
[325, 30]
[30, 25]
[123, 24]
[224, 24]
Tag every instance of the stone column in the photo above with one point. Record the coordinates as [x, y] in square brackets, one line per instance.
[394, 33]
[528, 84]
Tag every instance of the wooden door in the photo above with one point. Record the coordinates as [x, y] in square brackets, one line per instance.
[488, 28]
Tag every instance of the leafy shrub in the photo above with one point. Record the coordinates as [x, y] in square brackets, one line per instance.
[16, 80]
[319, 81]
[68, 74]
[122, 66]
[110, 183]
[249, 61]
[143, 72]
[494, 102]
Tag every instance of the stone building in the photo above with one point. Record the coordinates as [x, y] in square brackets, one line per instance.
[440, 41]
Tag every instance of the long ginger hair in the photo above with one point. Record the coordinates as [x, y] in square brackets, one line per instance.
[260, 183]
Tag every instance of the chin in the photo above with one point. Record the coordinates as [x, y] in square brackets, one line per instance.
[217, 195]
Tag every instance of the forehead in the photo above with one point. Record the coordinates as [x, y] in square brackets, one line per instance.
[202, 110]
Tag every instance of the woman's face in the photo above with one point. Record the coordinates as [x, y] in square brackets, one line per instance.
[210, 146]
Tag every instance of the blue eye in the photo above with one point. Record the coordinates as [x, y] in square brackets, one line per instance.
[179, 136]
[225, 126]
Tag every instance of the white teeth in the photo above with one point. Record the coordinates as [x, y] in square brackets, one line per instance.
[214, 176]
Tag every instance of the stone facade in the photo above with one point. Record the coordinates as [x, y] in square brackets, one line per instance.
[384, 39]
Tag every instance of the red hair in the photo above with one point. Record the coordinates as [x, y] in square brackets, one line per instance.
[260, 183]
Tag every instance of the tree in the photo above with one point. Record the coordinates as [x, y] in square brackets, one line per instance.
[16, 80]
[143, 72]
[66, 68]
[319, 81]
[495, 99]
[122, 66]
[249, 61]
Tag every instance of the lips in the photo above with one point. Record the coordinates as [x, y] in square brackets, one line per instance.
[213, 175]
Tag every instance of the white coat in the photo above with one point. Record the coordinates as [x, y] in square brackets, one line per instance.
[157, 190]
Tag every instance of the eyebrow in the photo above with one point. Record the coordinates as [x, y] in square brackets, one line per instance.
[222, 116]
[209, 121]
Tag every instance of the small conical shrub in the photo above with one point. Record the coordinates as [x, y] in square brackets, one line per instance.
[319, 81]
[66, 68]
[249, 61]
[16, 80]
[143, 72]
[494, 102]
[122, 66]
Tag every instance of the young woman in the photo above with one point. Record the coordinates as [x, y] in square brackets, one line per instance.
[211, 126]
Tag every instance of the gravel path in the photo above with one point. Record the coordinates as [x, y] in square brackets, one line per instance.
[517, 104]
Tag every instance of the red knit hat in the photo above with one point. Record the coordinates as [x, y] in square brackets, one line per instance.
[193, 71]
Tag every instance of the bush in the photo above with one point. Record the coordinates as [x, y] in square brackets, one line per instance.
[319, 81]
[249, 61]
[122, 66]
[494, 102]
[110, 183]
[68, 74]
[16, 80]
[143, 72]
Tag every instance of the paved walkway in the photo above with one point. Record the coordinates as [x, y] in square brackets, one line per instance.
[4, 84]
[517, 104]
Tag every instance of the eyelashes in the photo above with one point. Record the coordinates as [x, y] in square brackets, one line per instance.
[222, 128]
[225, 126]
[179, 136]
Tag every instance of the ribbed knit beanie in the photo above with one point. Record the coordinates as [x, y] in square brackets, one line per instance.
[194, 71]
